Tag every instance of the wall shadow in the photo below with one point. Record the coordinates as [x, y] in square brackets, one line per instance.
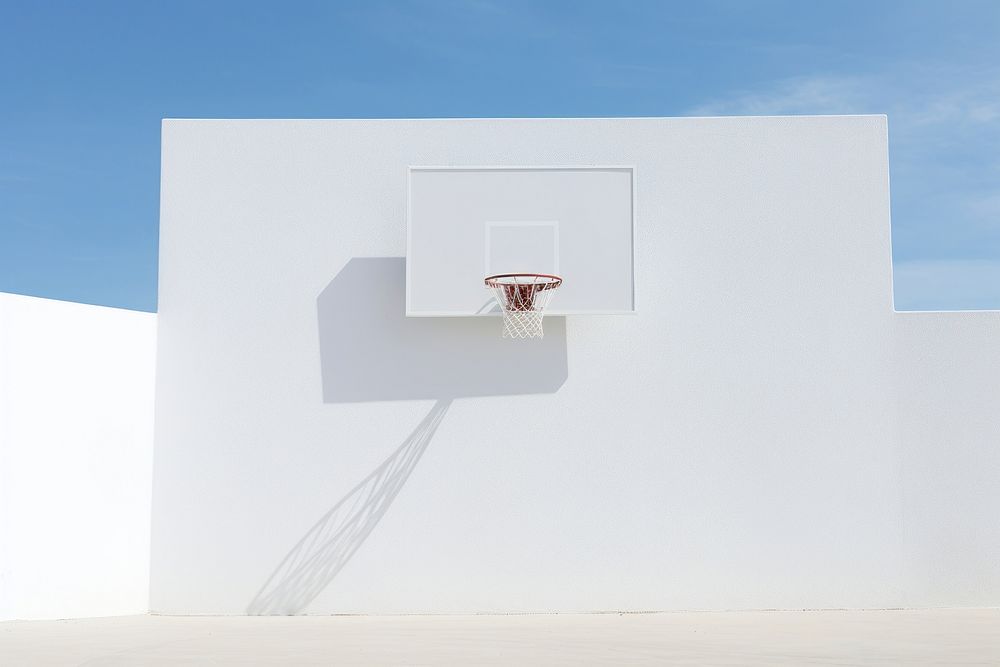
[370, 350]
[327, 547]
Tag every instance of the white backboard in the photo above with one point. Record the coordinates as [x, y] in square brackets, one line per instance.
[464, 223]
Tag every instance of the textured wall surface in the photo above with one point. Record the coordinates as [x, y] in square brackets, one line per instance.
[765, 432]
[948, 393]
[76, 447]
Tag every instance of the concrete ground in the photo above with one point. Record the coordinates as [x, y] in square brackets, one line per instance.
[918, 637]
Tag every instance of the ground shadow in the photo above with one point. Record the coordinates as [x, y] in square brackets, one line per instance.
[317, 558]
[370, 351]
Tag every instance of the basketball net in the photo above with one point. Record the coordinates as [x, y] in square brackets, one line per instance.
[523, 297]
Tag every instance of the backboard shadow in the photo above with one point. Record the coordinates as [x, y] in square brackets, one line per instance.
[370, 351]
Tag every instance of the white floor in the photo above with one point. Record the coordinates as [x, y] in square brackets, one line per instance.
[925, 637]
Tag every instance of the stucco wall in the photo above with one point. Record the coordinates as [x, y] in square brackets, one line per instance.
[948, 393]
[76, 446]
[757, 436]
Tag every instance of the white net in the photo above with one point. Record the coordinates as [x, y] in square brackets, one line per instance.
[523, 298]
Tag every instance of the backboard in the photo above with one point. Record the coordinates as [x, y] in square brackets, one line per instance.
[465, 223]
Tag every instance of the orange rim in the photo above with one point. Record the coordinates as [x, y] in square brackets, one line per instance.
[554, 281]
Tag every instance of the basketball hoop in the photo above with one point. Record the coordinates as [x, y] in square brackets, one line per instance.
[523, 298]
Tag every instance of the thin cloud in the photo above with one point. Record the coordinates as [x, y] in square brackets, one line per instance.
[986, 207]
[912, 99]
[800, 95]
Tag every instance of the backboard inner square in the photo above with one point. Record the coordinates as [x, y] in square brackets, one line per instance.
[521, 247]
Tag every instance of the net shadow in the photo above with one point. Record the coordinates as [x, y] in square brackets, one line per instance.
[328, 546]
[370, 351]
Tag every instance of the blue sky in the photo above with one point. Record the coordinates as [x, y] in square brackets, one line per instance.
[83, 86]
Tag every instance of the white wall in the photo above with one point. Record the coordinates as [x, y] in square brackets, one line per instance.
[762, 434]
[76, 404]
[948, 392]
